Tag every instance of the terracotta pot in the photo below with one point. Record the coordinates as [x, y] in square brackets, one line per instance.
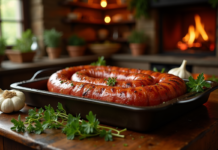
[1, 59]
[137, 49]
[18, 57]
[76, 50]
[53, 52]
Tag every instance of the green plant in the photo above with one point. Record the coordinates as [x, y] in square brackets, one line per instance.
[76, 41]
[2, 45]
[214, 3]
[141, 7]
[137, 37]
[52, 38]
[24, 43]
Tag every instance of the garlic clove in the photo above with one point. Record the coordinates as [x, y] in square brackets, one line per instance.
[7, 106]
[181, 71]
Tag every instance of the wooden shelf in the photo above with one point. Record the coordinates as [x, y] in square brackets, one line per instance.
[121, 22]
[120, 40]
[97, 22]
[84, 22]
[94, 6]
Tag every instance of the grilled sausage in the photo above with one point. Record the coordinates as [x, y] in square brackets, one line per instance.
[133, 87]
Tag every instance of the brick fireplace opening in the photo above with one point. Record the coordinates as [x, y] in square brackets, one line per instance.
[187, 28]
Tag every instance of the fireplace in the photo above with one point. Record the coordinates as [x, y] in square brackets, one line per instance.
[187, 29]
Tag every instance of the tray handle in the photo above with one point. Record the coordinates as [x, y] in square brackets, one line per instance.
[189, 97]
[44, 72]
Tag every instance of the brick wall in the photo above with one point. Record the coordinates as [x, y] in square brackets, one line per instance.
[48, 14]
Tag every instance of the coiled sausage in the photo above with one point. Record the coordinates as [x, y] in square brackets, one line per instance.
[133, 87]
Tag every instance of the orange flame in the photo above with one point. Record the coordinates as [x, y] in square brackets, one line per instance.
[193, 34]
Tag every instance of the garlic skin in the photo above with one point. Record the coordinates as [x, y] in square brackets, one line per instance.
[11, 100]
[181, 71]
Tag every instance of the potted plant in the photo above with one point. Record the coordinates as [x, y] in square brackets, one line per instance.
[52, 41]
[2, 49]
[21, 51]
[137, 42]
[141, 7]
[76, 46]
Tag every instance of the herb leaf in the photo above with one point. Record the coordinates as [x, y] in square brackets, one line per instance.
[111, 81]
[18, 125]
[197, 85]
[155, 70]
[91, 125]
[100, 62]
[213, 78]
[106, 134]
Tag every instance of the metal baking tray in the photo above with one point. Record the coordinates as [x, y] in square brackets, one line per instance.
[142, 119]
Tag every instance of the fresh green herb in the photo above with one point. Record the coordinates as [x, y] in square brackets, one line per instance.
[71, 84]
[213, 78]
[198, 84]
[162, 70]
[155, 70]
[142, 137]
[111, 81]
[61, 81]
[37, 122]
[100, 62]
[18, 125]
[125, 144]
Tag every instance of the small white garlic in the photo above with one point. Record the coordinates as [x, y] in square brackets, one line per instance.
[11, 100]
[181, 71]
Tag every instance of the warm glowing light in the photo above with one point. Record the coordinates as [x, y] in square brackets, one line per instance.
[103, 3]
[107, 19]
[193, 34]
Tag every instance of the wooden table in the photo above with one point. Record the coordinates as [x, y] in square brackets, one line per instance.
[196, 130]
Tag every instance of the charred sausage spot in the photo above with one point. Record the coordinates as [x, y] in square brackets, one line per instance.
[102, 90]
[81, 86]
[135, 91]
[86, 92]
[122, 93]
[129, 84]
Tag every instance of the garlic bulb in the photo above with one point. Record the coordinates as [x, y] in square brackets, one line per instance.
[181, 71]
[11, 100]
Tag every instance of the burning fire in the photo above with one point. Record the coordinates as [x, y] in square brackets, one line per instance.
[191, 39]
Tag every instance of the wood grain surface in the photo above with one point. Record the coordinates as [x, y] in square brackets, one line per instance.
[196, 130]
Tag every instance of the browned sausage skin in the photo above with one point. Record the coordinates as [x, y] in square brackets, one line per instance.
[133, 87]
